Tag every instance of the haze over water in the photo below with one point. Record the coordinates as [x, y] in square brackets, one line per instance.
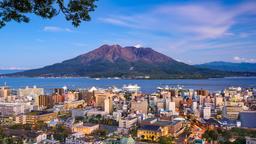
[147, 86]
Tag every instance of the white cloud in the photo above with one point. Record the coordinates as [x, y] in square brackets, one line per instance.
[242, 59]
[56, 29]
[138, 46]
[179, 30]
[203, 21]
[13, 68]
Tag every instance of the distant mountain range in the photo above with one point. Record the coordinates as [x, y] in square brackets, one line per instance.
[124, 62]
[3, 71]
[228, 66]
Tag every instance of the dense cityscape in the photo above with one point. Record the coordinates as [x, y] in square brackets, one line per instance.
[127, 116]
[128, 72]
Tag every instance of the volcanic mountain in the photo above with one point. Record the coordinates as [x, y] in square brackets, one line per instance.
[125, 62]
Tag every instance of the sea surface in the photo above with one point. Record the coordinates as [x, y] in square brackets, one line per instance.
[147, 86]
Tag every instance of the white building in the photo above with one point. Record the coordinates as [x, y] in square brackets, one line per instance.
[108, 105]
[250, 140]
[131, 88]
[207, 112]
[117, 115]
[127, 122]
[33, 91]
[194, 106]
[171, 107]
[7, 109]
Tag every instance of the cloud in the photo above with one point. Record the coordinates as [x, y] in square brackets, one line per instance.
[56, 29]
[242, 59]
[138, 46]
[14, 68]
[181, 30]
[200, 20]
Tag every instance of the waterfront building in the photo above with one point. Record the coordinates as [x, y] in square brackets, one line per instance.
[5, 91]
[59, 91]
[202, 92]
[131, 88]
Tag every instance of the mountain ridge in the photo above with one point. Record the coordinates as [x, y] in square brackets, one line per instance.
[229, 66]
[125, 62]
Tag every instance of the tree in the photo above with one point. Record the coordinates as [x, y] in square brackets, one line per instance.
[165, 140]
[75, 11]
[211, 135]
[102, 133]
[79, 118]
[60, 132]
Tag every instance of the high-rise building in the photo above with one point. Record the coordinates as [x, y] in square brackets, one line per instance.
[194, 106]
[100, 97]
[57, 98]
[232, 112]
[5, 91]
[177, 100]
[86, 95]
[43, 100]
[202, 92]
[171, 107]
[219, 101]
[108, 105]
[207, 112]
[71, 96]
[59, 91]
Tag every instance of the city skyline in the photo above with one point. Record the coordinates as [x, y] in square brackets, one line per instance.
[186, 31]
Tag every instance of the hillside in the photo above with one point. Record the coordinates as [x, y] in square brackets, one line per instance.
[228, 66]
[125, 62]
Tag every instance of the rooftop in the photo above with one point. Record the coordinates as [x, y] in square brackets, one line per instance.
[248, 119]
[150, 127]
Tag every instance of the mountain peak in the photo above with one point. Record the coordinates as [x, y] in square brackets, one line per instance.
[117, 61]
[116, 52]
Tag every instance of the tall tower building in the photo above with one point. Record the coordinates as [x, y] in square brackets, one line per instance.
[108, 105]
[5, 91]
[43, 100]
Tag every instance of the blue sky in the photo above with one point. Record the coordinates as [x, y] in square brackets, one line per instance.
[189, 31]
